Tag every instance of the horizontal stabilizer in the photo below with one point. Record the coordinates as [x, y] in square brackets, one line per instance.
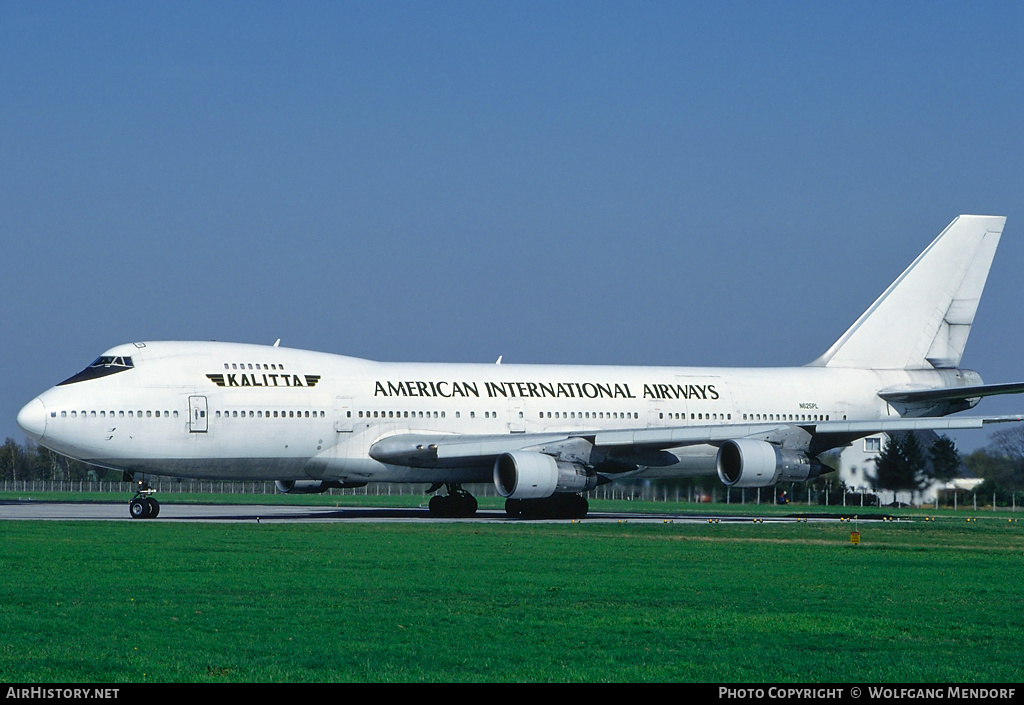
[911, 396]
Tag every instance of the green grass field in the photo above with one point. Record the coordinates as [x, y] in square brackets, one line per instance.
[927, 601]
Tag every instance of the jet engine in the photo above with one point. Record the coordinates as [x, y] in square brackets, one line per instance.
[529, 475]
[746, 462]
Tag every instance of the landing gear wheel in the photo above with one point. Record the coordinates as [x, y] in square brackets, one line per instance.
[513, 508]
[142, 505]
[139, 508]
[577, 506]
[558, 506]
[456, 504]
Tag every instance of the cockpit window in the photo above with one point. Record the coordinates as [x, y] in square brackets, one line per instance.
[101, 367]
[108, 361]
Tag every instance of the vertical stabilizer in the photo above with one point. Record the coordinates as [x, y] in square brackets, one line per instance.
[923, 319]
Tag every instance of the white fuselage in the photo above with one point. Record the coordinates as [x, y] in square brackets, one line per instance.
[239, 411]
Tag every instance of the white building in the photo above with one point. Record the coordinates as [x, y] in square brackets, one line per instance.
[857, 466]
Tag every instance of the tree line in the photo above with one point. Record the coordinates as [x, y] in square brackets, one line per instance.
[1000, 465]
[32, 461]
[908, 465]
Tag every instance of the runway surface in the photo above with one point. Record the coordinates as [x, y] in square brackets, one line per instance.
[170, 511]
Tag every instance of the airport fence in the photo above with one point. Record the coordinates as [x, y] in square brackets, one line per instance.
[640, 491]
[624, 491]
[171, 486]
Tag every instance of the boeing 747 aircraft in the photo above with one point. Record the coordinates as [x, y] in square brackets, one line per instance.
[543, 434]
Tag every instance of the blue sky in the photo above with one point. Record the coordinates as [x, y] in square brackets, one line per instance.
[707, 183]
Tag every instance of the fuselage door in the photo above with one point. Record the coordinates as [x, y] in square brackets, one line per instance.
[343, 414]
[198, 421]
[516, 418]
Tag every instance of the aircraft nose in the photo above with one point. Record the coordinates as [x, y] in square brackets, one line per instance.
[32, 419]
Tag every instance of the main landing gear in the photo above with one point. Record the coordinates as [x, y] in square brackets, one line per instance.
[456, 504]
[143, 506]
[459, 503]
[557, 506]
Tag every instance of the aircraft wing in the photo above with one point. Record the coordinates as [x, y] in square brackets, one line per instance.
[920, 423]
[688, 435]
[453, 450]
[461, 451]
[458, 451]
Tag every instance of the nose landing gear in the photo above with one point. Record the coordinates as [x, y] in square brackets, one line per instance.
[143, 506]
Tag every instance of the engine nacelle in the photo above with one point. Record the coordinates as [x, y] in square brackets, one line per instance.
[310, 486]
[746, 462]
[528, 475]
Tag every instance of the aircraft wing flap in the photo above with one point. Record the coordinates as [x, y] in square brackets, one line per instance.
[919, 423]
[675, 436]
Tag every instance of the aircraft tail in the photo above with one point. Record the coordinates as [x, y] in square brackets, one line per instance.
[923, 319]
